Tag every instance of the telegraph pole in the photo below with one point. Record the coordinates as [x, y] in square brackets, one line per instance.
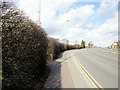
[39, 9]
[39, 14]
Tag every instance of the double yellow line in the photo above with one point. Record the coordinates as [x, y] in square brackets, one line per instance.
[88, 75]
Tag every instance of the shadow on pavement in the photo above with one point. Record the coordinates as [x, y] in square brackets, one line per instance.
[54, 79]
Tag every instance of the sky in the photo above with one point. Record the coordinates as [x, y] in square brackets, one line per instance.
[75, 20]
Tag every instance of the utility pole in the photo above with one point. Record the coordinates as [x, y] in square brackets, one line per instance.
[39, 14]
[39, 9]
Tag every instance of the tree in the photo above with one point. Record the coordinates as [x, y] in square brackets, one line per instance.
[83, 44]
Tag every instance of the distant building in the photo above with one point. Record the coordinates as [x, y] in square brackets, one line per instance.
[115, 45]
[90, 45]
[118, 44]
[65, 41]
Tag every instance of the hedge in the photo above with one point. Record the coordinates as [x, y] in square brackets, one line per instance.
[24, 49]
[55, 48]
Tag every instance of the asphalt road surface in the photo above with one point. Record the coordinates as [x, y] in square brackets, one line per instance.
[99, 65]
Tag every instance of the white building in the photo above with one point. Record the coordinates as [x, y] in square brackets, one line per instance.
[65, 41]
[114, 45]
[90, 45]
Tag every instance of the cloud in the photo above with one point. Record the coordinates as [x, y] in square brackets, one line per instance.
[48, 8]
[105, 34]
[71, 20]
[80, 23]
[78, 13]
[107, 8]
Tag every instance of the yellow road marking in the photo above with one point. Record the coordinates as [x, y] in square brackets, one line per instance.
[87, 73]
[109, 51]
[88, 77]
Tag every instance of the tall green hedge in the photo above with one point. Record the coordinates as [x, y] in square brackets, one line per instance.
[55, 48]
[24, 49]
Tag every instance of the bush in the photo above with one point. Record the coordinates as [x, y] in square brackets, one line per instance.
[70, 47]
[24, 49]
[54, 48]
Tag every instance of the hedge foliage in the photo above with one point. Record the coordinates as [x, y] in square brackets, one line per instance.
[55, 48]
[24, 46]
[25, 49]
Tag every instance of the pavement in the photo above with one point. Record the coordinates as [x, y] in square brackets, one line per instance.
[59, 76]
[85, 68]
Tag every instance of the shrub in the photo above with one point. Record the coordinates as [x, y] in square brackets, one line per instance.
[54, 48]
[70, 47]
[24, 49]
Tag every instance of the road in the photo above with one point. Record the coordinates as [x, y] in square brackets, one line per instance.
[94, 68]
[85, 68]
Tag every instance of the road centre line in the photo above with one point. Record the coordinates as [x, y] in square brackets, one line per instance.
[88, 75]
